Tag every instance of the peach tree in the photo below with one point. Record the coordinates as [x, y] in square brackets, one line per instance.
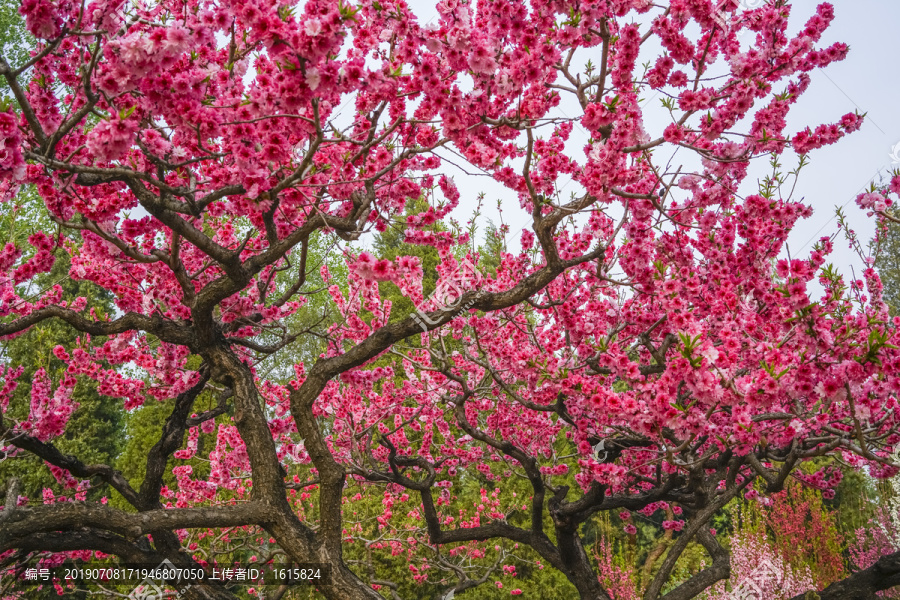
[644, 345]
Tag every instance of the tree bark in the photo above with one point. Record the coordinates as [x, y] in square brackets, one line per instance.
[862, 585]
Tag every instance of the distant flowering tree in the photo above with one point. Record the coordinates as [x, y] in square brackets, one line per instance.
[877, 539]
[646, 347]
[618, 579]
[881, 536]
[759, 571]
[806, 533]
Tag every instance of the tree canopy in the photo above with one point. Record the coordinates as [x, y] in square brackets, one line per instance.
[315, 363]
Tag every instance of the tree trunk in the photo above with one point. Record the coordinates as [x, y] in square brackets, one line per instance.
[580, 570]
[862, 585]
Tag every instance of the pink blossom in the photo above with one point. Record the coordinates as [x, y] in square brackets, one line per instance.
[12, 163]
[111, 139]
[312, 27]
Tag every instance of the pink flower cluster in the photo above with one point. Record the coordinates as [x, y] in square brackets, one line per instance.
[41, 18]
[806, 141]
[139, 53]
[110, 139]
[873, 202]
[49, 412]
[12, 162]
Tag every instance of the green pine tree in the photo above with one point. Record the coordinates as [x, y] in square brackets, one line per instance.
[888, 264]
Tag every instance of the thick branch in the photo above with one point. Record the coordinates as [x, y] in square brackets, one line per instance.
[28, 520]
[719, 570]
[164, 329]
[51, 454]
[170, 440]
[863, 585]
